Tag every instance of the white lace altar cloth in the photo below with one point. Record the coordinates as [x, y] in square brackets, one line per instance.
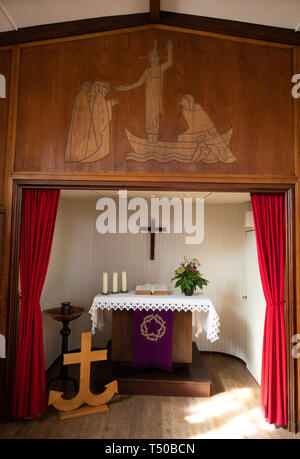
[196, 303]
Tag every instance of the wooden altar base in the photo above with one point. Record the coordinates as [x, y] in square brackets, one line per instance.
[186, 380]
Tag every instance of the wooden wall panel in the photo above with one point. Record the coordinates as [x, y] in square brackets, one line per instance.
[239, 85]
[296, 70]
[2, 244]
[5, 69]
[6, 56]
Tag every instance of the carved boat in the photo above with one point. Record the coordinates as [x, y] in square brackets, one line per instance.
[207, 146]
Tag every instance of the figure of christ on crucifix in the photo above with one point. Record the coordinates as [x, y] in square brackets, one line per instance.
[153, 78]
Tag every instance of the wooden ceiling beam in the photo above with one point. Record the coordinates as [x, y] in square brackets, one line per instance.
[72, 28]
[154, 11]
[204, 24]
[233, 28]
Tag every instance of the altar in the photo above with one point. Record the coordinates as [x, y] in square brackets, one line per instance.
[188, 377]
[188, 313]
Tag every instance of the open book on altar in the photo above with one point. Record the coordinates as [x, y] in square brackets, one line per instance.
[151, 289]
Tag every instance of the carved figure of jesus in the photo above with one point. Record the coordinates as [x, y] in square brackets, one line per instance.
[153, 78]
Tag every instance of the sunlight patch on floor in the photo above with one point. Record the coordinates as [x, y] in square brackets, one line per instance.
[219, 405]
[232, 412]
[245, 425]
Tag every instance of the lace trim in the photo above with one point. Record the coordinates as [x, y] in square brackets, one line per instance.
[151, 306]
[213, 323]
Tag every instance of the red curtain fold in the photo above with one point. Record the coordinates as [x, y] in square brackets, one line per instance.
[269, 219]
[39, 209]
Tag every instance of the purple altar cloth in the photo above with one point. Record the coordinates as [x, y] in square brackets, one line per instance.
[152, 339]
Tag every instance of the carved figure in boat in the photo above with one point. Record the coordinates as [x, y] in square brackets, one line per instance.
[152, 78]
[200, 142]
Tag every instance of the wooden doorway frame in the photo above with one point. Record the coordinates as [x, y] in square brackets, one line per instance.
[147, 183]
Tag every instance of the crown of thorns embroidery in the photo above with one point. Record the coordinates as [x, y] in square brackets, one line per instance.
[160, 332]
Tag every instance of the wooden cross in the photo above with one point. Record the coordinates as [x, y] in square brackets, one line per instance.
[152, 230]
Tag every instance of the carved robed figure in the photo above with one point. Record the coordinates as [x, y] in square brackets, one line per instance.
[88, 137]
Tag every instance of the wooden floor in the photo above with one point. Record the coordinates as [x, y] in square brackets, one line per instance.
[233, 411]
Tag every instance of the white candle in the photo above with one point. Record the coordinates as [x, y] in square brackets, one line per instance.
[115, 282]
[124, 281]
[105, 283]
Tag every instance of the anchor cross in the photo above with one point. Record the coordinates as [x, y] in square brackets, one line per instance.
[85, 357]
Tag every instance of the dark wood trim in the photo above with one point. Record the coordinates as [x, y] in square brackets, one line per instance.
[158, 179]
[145, 185]
[154, 10]
[7, 376]
[232, 28]
[71, 28]
[291, 311]
[19, 184]
[206, 24]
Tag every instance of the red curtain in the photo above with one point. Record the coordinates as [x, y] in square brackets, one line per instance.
[269, 219]
[39, 208]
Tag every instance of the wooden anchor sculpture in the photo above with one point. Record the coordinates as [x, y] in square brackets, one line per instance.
[97, 403]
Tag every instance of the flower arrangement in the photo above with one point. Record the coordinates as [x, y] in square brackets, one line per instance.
[188, 276]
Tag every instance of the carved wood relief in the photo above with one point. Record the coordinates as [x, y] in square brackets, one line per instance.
[88, 138]
[155, 101]
[200, 142]
[153, 80]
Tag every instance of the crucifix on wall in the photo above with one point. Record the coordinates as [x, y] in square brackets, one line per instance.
[153, 229]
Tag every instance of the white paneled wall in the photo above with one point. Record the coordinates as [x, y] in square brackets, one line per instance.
[80, 255]
[255, 306]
